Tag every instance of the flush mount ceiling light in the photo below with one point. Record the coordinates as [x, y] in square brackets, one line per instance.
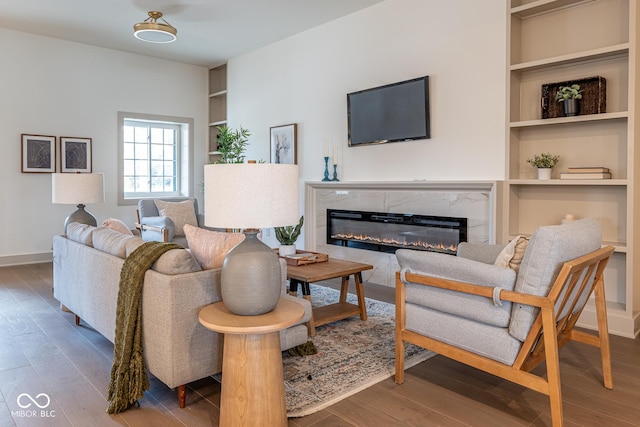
[153, 31]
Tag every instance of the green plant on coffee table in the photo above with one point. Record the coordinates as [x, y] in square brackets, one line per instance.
[232, 144]
[568, 92]
[289, 234]
[544, 160]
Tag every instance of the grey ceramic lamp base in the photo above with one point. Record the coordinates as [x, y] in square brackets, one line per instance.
[81, 216]
[251, 281]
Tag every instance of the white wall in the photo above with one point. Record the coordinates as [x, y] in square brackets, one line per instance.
[54, 87]
[304, 79]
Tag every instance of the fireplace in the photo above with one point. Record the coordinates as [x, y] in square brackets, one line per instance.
[387, 232]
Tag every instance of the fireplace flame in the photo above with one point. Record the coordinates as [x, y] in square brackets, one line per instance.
[417, 244]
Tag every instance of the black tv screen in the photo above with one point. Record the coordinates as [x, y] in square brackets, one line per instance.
[394, 112]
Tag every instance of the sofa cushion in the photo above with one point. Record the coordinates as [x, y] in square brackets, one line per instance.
[81, 233]
[549, 248]
[110, 241]
[210, 247]
[181, 213]
[117, 225]
[175, 261]
[473, 307]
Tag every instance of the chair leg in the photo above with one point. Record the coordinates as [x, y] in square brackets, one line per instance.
[603, 334]
[77, 320]
[399, 360]
[400, 324]
[182, 396]
[553, 366]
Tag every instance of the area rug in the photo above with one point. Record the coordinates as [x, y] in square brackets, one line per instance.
[352, 355]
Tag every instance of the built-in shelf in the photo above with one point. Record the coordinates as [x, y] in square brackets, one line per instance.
[543, 6]
[602, 53]
[217, 107]
[619, 115]
[219, 93]
[569, 182]
[541, 51]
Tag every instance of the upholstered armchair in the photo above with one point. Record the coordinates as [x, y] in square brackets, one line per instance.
[163, 220]
[482, 309]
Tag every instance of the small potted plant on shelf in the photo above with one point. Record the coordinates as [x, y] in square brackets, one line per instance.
[287, 237]
[544, 162]
[569, 96]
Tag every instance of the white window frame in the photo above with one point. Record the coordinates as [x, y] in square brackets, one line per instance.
[184, 183]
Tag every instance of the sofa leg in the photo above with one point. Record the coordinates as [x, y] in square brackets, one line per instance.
[182, 395]
[77, 320]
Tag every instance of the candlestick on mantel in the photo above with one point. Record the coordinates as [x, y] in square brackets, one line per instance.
[326, 169]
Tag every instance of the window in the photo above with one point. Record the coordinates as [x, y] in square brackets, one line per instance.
[155, 157]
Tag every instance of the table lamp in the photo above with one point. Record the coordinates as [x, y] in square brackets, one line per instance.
[250, 196]
[78, 189]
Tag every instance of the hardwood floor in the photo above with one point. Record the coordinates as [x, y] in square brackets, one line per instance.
[42, 351]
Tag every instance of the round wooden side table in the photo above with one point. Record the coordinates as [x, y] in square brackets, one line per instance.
[252, 375]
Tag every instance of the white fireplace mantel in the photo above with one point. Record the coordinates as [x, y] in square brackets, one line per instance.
[474, 200]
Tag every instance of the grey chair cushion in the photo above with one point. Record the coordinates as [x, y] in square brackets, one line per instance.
[472, 307]
[482, 252]
[479, 338]
[549, 248]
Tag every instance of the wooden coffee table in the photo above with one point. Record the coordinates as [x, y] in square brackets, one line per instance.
[331, 269]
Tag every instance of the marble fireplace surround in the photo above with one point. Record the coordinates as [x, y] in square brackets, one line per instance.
[474, 200]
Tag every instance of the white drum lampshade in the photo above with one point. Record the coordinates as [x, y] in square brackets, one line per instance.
[78, 189]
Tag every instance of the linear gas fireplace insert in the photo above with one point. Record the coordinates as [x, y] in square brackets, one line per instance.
[387, 232]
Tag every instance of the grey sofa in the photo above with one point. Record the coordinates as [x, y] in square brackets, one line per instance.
[177, 348]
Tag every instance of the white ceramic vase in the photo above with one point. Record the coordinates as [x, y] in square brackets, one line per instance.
[286, 250]
[544, 173]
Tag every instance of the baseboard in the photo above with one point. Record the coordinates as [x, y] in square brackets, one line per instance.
[6, 261]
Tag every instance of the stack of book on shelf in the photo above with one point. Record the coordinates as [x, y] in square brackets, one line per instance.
[587, 173]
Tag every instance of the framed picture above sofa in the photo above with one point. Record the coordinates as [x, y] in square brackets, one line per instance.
[38, 153]
[75, 154]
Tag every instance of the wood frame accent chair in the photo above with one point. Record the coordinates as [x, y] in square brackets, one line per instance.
[481, 315]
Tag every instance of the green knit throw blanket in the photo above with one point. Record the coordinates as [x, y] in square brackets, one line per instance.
[128, 377]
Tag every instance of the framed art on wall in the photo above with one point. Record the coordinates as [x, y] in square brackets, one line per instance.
[75, 154]
[38, 153]
[283, 144]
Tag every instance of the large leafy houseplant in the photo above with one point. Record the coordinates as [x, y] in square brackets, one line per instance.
[232, 144]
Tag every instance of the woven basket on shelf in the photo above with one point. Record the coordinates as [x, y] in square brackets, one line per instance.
[594, 97]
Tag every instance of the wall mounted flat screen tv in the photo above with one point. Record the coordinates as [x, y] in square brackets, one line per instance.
[390, 113]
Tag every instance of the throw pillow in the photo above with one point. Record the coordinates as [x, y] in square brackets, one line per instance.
[81, 233]
[110, 241]
[512, 254]
[210, 247]
[117, 225]
[181, 213]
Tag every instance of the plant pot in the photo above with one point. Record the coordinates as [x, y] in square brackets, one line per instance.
[286, 250]
[571, 107]
[544, 173]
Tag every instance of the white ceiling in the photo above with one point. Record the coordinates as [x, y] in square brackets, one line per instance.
[209, 31]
